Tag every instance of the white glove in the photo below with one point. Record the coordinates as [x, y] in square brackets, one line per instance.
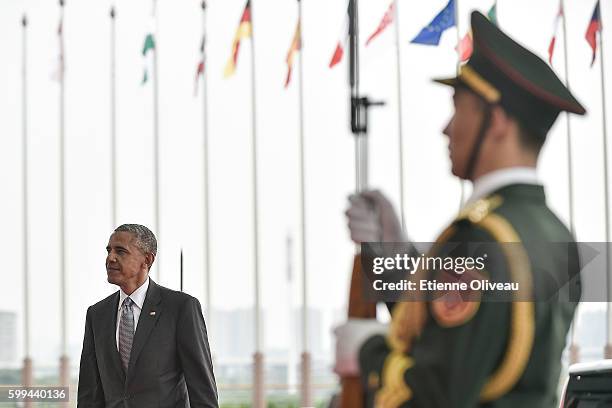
[350, 336]
[371, 218]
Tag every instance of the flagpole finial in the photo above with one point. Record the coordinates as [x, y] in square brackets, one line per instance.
[112, 12]
[203, 4]
[24, 20]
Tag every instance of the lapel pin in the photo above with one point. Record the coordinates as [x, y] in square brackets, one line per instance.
[152, 313]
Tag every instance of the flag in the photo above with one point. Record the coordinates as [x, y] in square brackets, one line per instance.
[296, 45]
[431, 33]
[551, 46]
[386, 20]
[492, 13]
[147, 48]
[339, 50]
[592, 29]
[338, 53]
[466, 46]
[200, 66]
[243, 31]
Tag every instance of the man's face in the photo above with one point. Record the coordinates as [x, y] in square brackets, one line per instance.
[125, 262]
[462, 129]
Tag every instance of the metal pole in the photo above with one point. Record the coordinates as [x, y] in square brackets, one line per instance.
[207, 274]
[306, 396]
[27, 361]
[574, 349]
[608, 347]
[64, 361]
[181, 269]
[363, 137]
[569, 130]
[400, 132]
[258, 389]
[113, 122]
[292, 372]
[156, 133]
[462, 197]
[360, 145]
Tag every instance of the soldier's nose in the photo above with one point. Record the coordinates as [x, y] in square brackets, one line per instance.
[447, 129]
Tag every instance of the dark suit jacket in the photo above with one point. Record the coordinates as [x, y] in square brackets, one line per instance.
[170, 363]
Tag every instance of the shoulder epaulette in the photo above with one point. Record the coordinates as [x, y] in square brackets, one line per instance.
[479, 209]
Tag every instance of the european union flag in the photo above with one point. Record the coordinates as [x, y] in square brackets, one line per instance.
[430, 35]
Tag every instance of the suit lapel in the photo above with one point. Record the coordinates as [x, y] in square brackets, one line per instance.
[110, 317]
[151, 309]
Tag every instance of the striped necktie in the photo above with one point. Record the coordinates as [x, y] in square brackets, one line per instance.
[126, 332]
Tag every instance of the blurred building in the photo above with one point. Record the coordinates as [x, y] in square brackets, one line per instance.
[591, 333]
[8, 338]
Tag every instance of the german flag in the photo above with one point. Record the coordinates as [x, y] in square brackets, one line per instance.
[296, 45]
[244, 31]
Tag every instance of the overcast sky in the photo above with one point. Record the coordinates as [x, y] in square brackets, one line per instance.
[432, 195]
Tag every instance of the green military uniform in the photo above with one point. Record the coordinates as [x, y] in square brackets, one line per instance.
[479, 352]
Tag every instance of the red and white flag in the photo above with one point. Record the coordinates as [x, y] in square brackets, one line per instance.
[551, 46]
[339, 50]
[384, 23]
[465, 47]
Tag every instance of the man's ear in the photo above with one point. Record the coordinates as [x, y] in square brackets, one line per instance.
[149, 259]
[500, 122]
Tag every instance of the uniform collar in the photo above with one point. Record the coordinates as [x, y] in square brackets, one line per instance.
[138, 296]
[490, 182]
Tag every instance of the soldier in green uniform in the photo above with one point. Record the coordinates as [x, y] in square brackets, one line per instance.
[477, 352]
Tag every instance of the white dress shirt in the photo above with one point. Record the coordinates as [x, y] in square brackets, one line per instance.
[490, 182]
[138, 297]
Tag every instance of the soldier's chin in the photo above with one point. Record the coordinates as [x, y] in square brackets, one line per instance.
[457, 172]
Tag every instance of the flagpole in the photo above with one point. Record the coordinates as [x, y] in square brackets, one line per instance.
[207, 274]
[27, 361]
[458, 69]
[156, 132]
[292, 343]
[113, 122]
[306, 397]
[258, 366]
[399, 113]
[64, 361]
[574, 348]
[568, 127]
[608, 347]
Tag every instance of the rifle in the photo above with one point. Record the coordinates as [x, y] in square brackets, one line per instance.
[352, 394]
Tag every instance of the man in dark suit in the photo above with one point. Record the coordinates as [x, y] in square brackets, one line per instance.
[144, 345]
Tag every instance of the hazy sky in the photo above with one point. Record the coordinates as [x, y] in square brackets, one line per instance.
[432, 195]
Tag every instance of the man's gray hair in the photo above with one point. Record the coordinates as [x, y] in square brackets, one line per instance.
[145, 239]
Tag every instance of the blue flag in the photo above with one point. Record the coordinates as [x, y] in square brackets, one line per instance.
[430, 35]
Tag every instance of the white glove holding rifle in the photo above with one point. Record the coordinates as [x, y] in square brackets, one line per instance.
[371, 218]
